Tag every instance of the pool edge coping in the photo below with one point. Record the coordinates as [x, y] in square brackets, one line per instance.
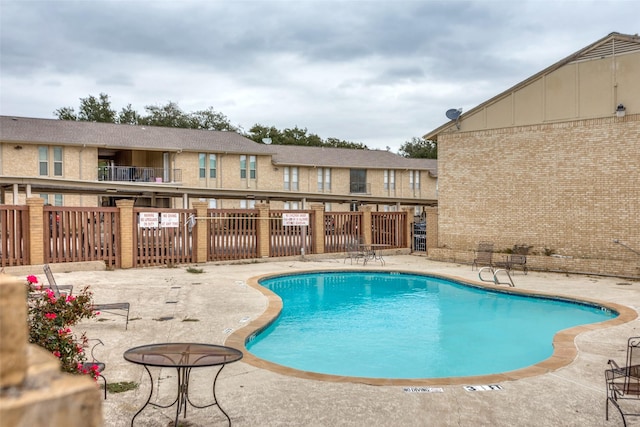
[564, 348]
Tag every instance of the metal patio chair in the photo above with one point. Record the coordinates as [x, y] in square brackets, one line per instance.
[623, 383]
[117, 308]
[483, 255]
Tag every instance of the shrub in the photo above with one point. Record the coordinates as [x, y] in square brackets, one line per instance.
[50, 319]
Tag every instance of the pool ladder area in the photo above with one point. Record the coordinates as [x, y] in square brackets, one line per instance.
[495, 278]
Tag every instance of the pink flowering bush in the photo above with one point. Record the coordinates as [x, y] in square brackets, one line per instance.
[50, 319]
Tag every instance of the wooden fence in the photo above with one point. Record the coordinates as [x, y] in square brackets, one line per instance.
[170, 236]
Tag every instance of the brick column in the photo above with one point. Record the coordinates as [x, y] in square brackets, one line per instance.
[36, 230]
[318, 228]
[201, 231]
[432, 227]
[366, 224]
[408, 232]
[14, 333]
[127, 228]
[263, 232]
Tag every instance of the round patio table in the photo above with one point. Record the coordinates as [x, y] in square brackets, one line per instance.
[183, 357]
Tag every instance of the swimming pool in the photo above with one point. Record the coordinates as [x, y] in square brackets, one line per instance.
[405, 325]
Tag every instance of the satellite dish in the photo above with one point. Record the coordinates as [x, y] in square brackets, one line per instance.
[266, 140]
[454, 114]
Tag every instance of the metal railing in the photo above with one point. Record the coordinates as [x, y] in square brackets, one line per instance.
[138, 174]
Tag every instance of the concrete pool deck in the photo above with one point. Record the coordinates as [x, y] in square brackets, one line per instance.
[174, 305]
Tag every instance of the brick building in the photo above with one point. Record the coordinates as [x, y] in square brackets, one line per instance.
[91, 164]
[553, 162]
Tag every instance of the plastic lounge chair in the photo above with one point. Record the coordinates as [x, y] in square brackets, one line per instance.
[483, 256]
[623, 383]
[118, 308]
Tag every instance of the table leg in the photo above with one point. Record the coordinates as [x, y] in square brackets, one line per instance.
[148, 398]
[215, 398]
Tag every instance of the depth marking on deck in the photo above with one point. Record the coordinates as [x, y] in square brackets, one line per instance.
[423, 390]
[490, 387]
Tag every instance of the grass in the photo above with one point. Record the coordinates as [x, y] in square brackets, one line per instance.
[194, 270]
[121, 387]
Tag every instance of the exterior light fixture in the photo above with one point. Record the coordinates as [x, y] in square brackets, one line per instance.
[620, 110]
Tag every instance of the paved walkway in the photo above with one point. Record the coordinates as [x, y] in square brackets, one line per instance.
[171, 304]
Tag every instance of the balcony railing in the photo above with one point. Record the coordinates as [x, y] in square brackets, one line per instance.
[360, 188]
[138, 174]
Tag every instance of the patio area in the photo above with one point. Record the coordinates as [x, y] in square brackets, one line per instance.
[174, 305]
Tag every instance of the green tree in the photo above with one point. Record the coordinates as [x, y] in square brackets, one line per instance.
[169, 115]
[210, 119]
[92, 109]
[128, 116]
[419, 148]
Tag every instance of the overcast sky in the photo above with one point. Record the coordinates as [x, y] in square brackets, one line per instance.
[376, 72]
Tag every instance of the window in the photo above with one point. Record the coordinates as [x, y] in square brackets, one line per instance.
[45, 197]
[292, 205]
[390, 179]
[213, 165]
[243, 167]
[57, 200]
[247, 204]
[414, 180]
[417, 179]
[358, 181]
[324, 179]
[201, 165]
[252, 167]
[290, 178]
[43, 157]
[57, 163]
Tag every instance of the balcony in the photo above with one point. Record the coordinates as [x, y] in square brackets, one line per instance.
[360, 188]
[138, 174]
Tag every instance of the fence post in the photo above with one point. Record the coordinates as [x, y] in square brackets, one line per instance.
[36, 230]
[366, 224]
[432, 227]
[202, 229]
[127, 228]
[263, 231]
[318, 228]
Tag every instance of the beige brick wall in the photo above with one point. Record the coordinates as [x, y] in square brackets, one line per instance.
[569, 187]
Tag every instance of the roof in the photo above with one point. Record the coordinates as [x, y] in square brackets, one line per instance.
[612, 44]
[67, 132]
[300, 155]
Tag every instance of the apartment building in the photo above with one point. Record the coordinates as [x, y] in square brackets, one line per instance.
[552, 162]
[94, 164]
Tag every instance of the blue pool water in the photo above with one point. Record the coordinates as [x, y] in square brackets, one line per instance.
[396, 325]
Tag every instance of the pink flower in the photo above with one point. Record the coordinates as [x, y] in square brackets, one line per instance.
[50, 316]
[56, 354]
[70, 298]
[32, 279]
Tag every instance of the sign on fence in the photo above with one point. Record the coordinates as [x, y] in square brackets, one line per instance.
[148, 220]
[289, 219]
[169, 219]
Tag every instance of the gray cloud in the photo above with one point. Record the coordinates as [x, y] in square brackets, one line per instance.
[377, 72]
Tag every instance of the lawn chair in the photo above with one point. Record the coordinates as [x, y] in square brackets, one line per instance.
[96, 364]
[57, 289]
[355, 250]
[623, 383]
[483, 256]
[518, 258]
[118, 308]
